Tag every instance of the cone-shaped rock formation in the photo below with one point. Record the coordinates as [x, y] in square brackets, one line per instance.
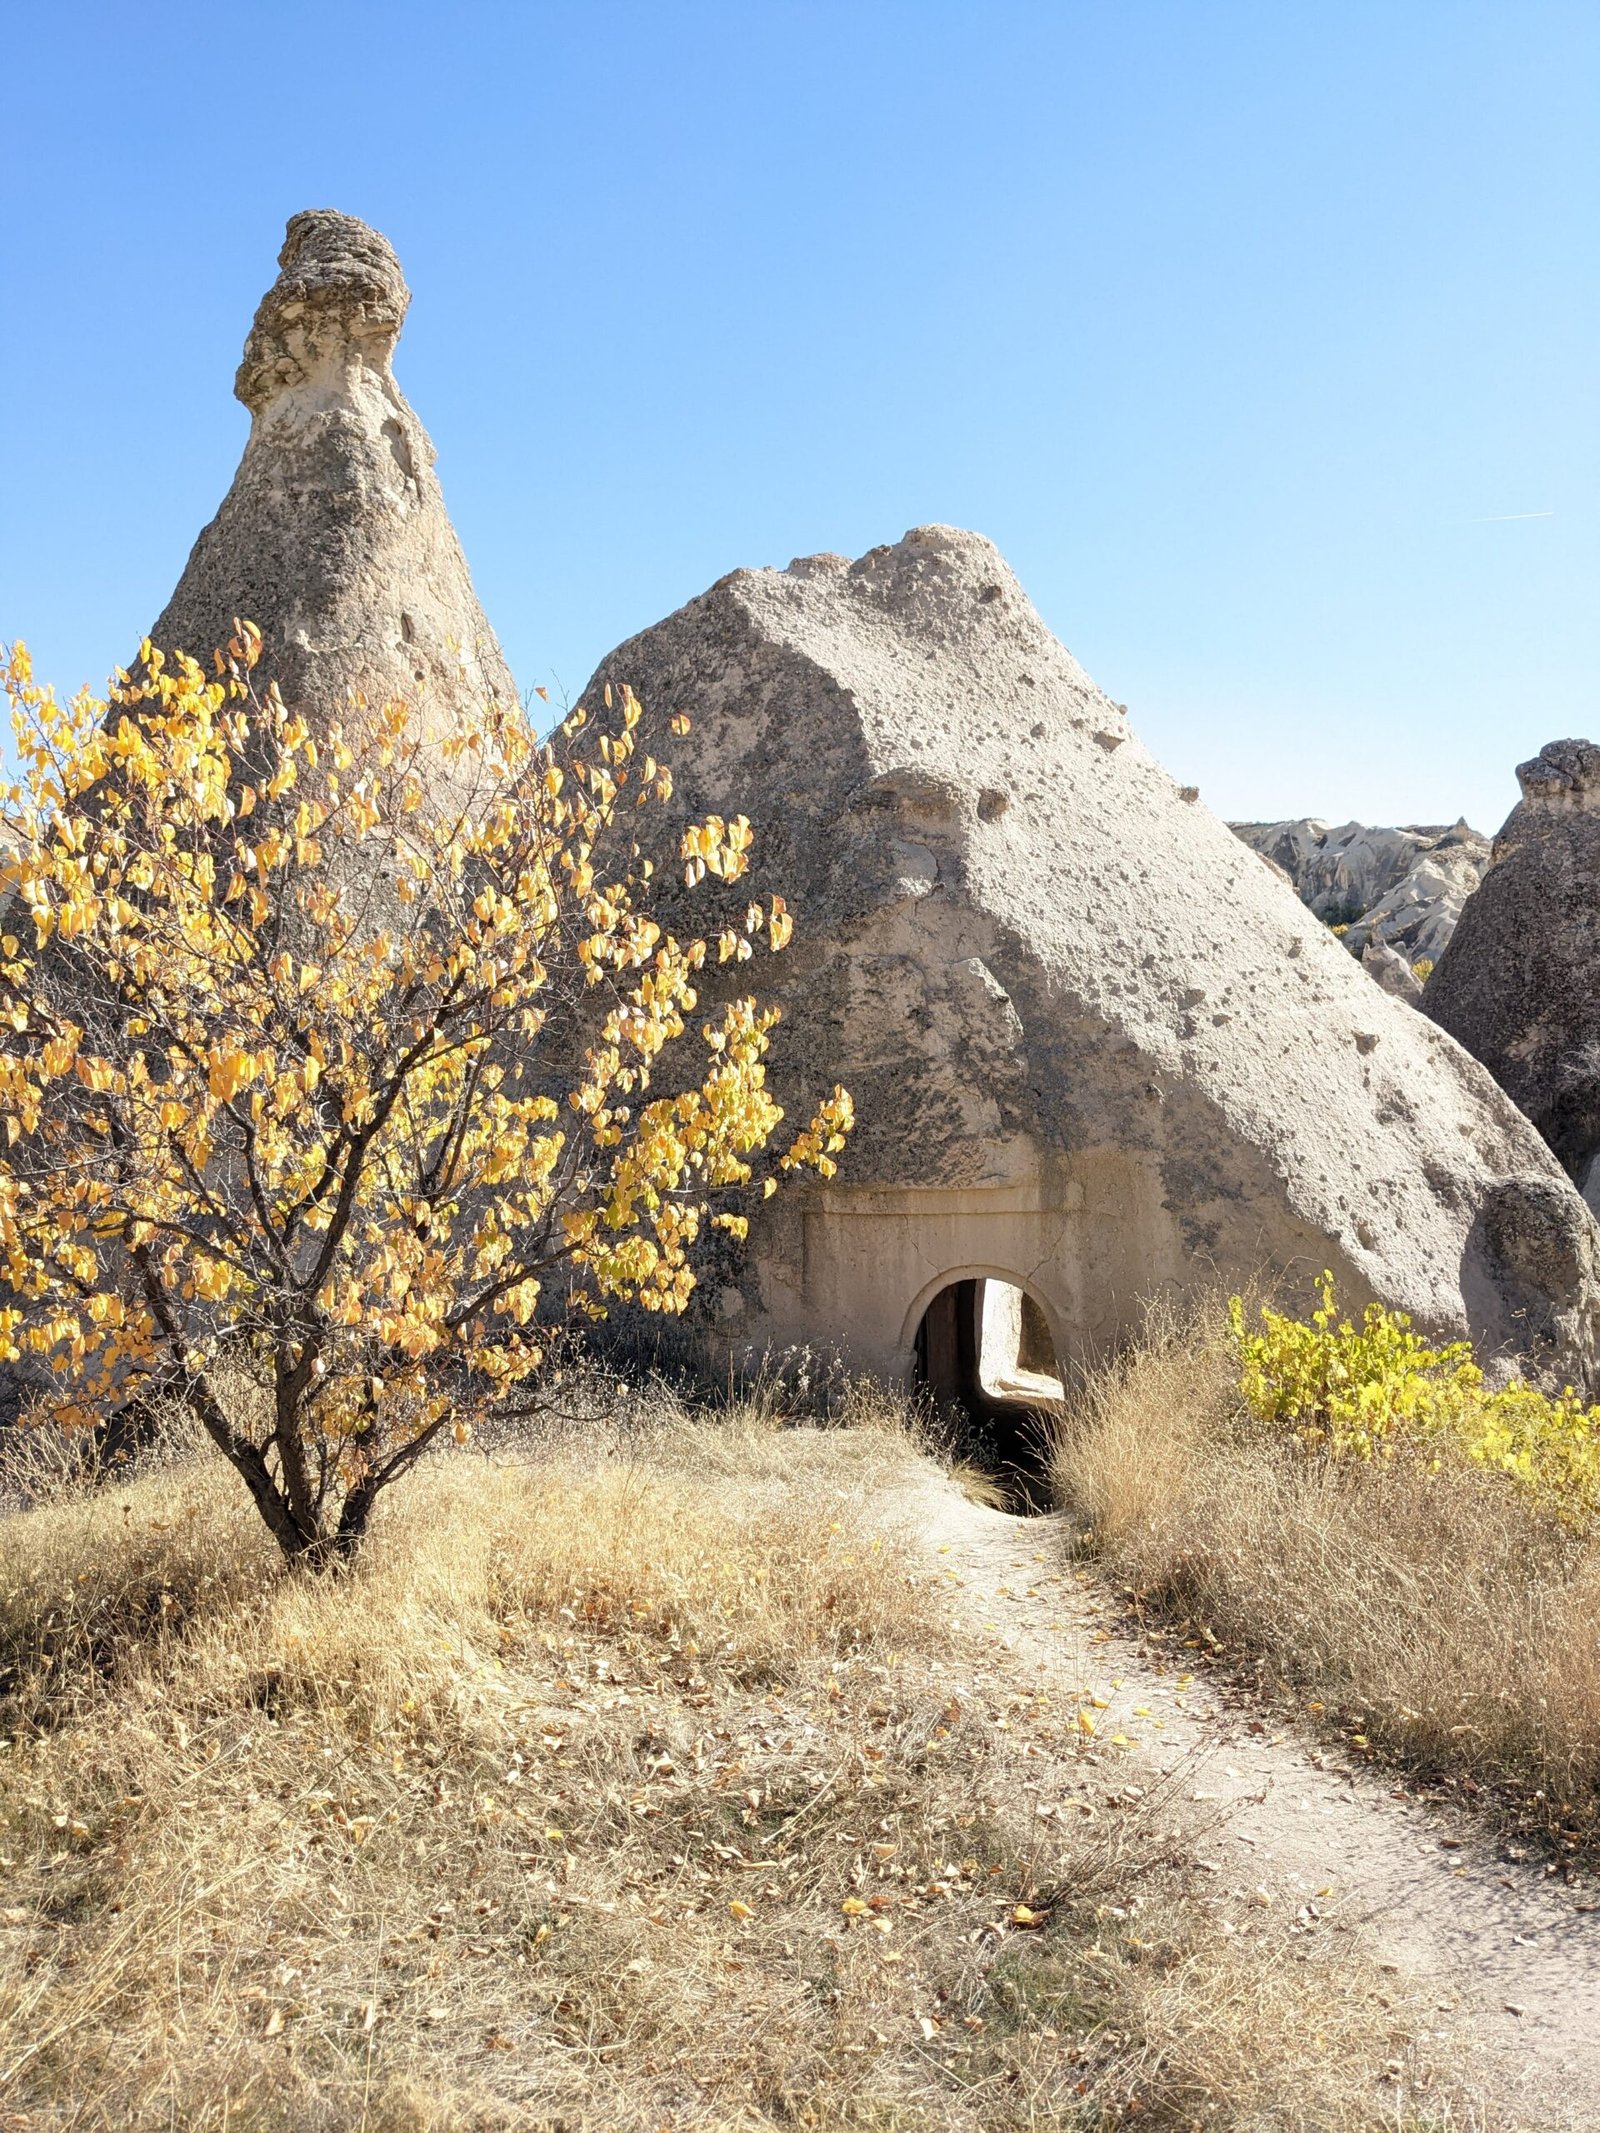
[334, 538]
[1519, 984]
[1097, 1047]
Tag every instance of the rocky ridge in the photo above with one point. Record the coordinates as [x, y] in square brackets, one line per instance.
[1401, 889]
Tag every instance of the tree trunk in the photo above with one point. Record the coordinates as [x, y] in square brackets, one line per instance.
[354, 1517]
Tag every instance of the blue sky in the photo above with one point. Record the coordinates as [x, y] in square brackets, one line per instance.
[1251, 333]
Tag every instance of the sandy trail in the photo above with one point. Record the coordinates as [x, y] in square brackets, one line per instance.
[1509, 1957]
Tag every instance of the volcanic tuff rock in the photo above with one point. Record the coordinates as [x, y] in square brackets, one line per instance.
[1418, 915]
[1404, 888]
[334, 538]
[1519, 984]
[1392, 971]
[1095, 1047]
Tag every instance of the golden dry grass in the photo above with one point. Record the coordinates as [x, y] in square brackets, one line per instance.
[639, 1783]
[1435, 1614]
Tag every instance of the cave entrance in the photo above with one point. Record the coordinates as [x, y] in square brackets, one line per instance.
[986, 1365]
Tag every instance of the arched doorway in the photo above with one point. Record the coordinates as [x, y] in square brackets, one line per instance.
[986, 1365]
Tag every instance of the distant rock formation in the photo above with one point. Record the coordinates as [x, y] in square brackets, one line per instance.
[1402, 888]
[334, 538]
[1519, 984]
[1097, 1050]
[1392, 971]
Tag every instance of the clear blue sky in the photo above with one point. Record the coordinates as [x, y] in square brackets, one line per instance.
[1245, 330]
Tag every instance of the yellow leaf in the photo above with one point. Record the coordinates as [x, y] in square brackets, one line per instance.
[227, 1073]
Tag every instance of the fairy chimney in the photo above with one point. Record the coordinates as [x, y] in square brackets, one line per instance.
[334, 538]
[1098, 1049]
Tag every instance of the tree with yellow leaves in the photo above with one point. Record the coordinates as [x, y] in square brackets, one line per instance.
[336, 1069]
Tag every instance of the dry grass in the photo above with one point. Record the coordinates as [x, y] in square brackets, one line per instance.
[641, 1783]
[1433, 1614]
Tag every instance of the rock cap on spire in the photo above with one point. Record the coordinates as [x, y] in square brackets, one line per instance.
[340, 293]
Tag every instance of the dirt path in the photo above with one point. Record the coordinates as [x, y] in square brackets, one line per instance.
[1514, 1957]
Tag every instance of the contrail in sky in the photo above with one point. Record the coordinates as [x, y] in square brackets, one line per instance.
[1504, 518]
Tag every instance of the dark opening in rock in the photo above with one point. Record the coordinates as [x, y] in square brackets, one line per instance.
[986, 1366]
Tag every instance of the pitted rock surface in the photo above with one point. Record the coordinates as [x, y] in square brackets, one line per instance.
[1519, 985]
[334, 538]
[1080, 1019]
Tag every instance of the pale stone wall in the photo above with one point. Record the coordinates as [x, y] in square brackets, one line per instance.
[1090, 1239]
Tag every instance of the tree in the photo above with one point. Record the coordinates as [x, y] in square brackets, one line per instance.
[336, 1069]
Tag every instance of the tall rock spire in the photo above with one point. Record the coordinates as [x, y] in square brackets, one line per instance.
[334, 538]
